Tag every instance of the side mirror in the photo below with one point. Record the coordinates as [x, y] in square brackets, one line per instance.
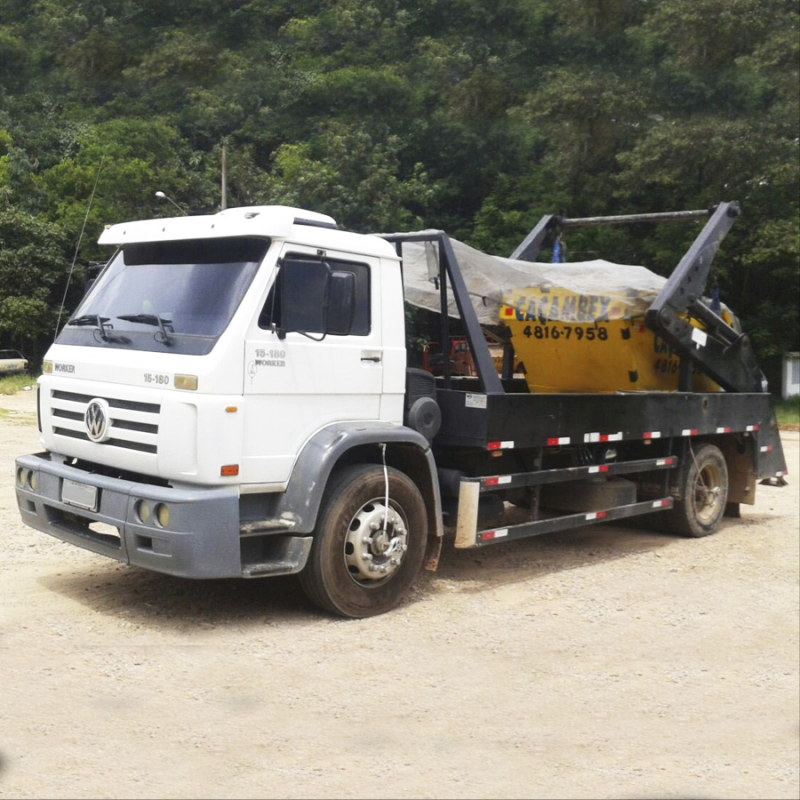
[341, 303]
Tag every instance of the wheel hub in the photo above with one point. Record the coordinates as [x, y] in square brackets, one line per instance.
[708, 493]
[375, 544]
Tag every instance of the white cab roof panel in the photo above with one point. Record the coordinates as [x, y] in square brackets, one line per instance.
[274, 222]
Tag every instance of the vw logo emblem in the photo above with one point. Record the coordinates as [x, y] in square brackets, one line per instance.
[96, 420]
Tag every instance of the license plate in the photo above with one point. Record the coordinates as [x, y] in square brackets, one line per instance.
[79, 494]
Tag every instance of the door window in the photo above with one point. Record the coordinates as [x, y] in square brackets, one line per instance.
[271, 313]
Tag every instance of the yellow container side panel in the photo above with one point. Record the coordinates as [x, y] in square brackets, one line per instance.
[580, 343]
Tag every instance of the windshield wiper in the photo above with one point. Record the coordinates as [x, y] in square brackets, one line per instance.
[151, 319]
[96, 320]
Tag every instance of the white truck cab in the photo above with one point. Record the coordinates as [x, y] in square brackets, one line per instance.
[208, 356]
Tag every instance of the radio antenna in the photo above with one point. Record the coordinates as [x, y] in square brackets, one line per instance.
[78, 246]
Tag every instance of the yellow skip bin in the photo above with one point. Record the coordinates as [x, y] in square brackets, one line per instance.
[570, 342]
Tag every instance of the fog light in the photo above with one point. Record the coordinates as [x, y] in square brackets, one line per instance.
[162, 514]
[142, 511]
[188, 382]
[47, 367]
[33, 481]
[21, 476]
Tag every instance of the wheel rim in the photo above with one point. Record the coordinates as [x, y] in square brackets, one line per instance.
[373, 553]
[708, 493]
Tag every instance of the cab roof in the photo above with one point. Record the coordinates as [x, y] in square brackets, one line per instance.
[274, 222]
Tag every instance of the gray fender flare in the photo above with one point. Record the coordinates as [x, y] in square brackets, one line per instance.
[303, 496]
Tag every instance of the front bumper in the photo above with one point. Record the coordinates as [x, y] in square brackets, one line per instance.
[201, 541]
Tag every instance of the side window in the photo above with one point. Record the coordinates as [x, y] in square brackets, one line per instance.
[362, 317]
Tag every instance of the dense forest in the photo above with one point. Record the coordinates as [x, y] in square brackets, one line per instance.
[468, 115]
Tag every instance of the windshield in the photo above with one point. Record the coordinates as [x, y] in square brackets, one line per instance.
[154, 295]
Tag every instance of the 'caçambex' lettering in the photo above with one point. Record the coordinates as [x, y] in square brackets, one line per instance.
[573, 308]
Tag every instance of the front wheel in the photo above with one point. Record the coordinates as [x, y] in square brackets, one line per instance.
[365, 554]
[704, 493]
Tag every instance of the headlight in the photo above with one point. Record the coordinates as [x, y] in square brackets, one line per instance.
[142, 511]
[162, 514]
[21, 476]
[33, 481]
[47, 367]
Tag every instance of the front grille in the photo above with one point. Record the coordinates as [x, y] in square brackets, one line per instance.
[129, 405]
[133, 425]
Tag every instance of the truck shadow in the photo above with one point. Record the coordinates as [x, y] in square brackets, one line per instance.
[142, 598]
[517, 562]
[152, 600]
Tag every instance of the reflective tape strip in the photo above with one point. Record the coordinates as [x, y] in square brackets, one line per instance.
[663, 462]
[500, 446]
[491, 481]
[602, 437]
[766, 448]
[661, 504]
[504, 479]
[560, 440]
[596, 515]
[723, 430]
[601, 468]
[751, 428]
[494, 534]
[652, 435]
[781, 473]
[689, 432]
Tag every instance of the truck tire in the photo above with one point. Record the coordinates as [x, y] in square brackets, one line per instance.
[704, 493]
[357, 568]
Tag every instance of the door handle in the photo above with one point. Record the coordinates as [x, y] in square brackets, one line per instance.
[371, 355]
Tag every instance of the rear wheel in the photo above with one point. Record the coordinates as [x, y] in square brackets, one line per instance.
[365, 554]
[704, 493]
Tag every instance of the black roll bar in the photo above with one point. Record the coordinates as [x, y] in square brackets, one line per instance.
[450, 271]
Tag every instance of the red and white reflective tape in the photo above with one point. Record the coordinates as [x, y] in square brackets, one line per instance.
[500, 446]
[751, 428]
[497, 480]
[489, 535]
[558, 441]
[602, 437]
[664, 462]
[766, 448]
[781, 473]
[601, 468]
[723, 430]
[661, 504]
[689, 432]
[651, 435]
[596, 515]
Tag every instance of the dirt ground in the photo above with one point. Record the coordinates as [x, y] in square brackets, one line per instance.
[603, 663]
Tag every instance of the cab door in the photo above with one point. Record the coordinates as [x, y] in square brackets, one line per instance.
[296, 385]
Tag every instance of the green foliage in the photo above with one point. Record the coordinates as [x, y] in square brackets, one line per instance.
[468, 115]
[33, 271]
[15, 383]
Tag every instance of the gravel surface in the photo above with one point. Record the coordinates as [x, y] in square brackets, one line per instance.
[603, 663]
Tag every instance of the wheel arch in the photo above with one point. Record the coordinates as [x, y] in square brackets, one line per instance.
[359, 443]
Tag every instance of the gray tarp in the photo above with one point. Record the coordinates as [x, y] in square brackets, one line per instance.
[489, 278]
